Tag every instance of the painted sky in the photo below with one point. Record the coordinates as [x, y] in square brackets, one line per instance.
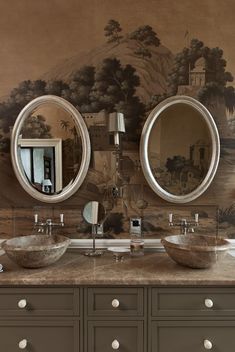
[35, 35]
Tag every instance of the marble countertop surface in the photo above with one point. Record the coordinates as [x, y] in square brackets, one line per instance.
[153, 268]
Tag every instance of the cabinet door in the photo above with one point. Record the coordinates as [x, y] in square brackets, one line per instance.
[39, 336]
[124, 336]
[198, 336]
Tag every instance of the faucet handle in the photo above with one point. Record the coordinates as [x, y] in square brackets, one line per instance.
[62, 218]
[170, 218]
[35, 218]
[196, 217]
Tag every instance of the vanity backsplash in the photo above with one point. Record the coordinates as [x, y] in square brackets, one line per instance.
[20, 221]
[146, 77]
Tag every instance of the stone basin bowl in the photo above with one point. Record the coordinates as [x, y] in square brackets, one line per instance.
[36, 251]
[196, 251]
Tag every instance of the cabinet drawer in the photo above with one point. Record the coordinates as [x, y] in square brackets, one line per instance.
[191, 336]
[127, 336]
[38, 301]
[39, 336]
[193, 302]
[115, 301]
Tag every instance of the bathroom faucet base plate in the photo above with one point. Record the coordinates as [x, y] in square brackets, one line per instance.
[95, 253]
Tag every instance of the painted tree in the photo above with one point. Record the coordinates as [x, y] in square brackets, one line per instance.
[114, 83]
[19, 97]
[79, 90]
[145, 37]
[36, 127]
[175, 165]
[112, 31]
[56, 87]
[26, 91]
[64, 125]
[114, 90]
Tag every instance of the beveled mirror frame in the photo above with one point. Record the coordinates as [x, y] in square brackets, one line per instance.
[144, 159]
[70, 189]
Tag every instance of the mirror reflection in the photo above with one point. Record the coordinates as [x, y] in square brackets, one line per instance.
[180, 149]
[50, 148]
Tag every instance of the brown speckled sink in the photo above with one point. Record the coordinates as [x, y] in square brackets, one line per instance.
[36, 251]
[195, 251]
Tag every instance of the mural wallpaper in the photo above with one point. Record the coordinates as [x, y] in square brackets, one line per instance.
[103, 56]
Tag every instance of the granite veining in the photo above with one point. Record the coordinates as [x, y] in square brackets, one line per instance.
[151, 269]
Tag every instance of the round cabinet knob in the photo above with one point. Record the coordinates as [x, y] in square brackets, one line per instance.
[115, 345]
[208, 344]
[22, 303]
[115, 303]
[23, 344]
[209, 303]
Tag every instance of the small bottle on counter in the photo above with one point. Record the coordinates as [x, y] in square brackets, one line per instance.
[136, 238]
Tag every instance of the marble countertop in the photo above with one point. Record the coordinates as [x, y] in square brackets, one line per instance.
[152, 269]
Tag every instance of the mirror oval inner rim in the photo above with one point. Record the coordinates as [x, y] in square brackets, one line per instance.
[68, 191]
[152, 118]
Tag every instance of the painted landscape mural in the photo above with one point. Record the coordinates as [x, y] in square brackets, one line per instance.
[179, 162]
[105, 57]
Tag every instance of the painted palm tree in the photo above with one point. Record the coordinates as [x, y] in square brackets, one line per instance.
[64, 125]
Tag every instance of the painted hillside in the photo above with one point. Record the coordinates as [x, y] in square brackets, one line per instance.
[153, 71]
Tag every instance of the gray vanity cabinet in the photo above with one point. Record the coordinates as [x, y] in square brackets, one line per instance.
[125, 319]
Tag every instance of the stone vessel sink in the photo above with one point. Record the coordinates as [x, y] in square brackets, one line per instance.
[195, 251]
[36, 251]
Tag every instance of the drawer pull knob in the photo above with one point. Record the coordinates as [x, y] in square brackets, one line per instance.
[209, 303]
[22, 303]
[115, 303]
[23, 344]
[208, 344]
[115, 345]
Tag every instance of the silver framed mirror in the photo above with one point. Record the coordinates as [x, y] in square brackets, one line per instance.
[50, 149]
[179, 149]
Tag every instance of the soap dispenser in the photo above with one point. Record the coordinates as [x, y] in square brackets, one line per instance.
[136, 238]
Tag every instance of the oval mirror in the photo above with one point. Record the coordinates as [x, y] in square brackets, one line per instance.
[179, 149]
[50, 149]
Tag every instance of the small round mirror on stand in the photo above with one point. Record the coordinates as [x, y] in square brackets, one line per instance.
[94, 214]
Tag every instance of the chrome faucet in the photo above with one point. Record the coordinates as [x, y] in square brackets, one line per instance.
[185, 226]
[47, 226]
